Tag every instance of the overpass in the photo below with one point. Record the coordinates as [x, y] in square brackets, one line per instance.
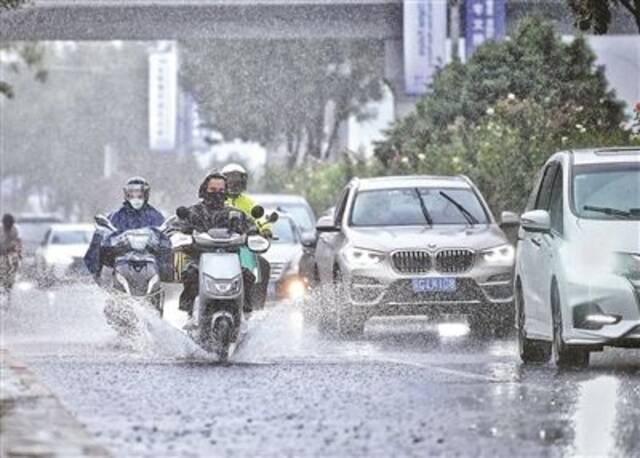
[182, 19]
[218, 19]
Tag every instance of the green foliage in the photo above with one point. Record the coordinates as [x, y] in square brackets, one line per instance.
[596, 15]
[283, 92]
[10, 4]
[20, 56]
[498, 117]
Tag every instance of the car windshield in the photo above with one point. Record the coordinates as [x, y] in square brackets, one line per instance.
[417, 207]
[301, 215]
[607, 191]
[283, 231]
[79, 237]
[33, 232]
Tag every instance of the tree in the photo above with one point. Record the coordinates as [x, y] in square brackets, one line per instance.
[283, 92]
[500, 115]
[595, 15]
[17, 54]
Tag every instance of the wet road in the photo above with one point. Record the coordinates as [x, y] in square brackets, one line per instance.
[408, 388]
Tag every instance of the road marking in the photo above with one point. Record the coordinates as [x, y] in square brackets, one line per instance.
[461, 373]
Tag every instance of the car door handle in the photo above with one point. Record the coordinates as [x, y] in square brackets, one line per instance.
[536, 241]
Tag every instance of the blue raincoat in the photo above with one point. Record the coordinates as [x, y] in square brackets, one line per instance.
[124, 219]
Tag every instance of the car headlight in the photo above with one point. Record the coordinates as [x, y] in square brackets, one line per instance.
[222, 287]
[502, 255]
[627, 265]
[359, 257]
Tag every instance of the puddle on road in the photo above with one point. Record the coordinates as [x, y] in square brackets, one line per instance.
[595, 416]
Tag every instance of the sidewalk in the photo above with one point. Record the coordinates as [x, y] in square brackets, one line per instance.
[33, 423]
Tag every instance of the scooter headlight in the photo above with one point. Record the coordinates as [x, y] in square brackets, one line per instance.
[138, 241]
[222, 287]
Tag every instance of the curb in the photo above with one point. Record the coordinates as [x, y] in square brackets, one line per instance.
[33, 422]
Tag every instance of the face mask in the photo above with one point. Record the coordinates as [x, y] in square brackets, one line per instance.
[136, 203]
[215, 199]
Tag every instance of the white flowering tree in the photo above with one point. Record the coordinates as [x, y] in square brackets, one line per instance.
[498, 117]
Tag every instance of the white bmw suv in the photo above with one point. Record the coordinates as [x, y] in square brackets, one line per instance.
[577, 281]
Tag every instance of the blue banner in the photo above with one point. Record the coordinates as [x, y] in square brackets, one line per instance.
[425, 37]
[485, 20]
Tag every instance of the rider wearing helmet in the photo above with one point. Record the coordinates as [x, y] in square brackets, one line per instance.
[135, 213]
[237, 179]
[211, 212]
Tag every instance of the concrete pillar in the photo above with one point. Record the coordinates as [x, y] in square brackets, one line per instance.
[394, 74]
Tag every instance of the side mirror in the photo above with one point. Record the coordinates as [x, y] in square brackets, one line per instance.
[273, 217]
[327, 224]
[308, 240]
[536, 221]
[257, 243]
[509, 219]
[103, 222]
[257, 212]
[182, 212]
[167, 223]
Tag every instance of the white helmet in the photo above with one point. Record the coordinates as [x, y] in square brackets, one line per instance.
[237, 178]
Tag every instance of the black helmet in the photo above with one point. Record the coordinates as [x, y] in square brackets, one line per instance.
[202, 191]
[8, 221]
[237, 179]
[136, 191]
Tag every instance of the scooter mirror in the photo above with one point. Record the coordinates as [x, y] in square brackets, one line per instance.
[103, 221]
[167, 223]
[257, 212]
[273, 217]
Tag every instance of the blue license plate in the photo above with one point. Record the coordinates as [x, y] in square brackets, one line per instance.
[434, 285]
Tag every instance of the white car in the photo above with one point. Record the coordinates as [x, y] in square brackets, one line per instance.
[577, 277]
[62, 251]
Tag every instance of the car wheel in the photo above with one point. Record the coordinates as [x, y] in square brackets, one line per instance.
[564, 355]
[351, 324]
[327, 322]
[531, 351]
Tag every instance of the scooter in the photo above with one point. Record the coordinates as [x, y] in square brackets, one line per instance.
[223, 254]
[133, 254]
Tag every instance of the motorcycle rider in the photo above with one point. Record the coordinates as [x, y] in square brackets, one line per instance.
[237, 179]
[211, 212]
[10, 252]
[135, 213]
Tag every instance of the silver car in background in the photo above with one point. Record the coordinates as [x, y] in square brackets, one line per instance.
[284, 256]
[299, 209]
[60, 255]
[415, 245]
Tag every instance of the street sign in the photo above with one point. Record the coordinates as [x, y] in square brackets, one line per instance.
[484, 20]
[425, 36]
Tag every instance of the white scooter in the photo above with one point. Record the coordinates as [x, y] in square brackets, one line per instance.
[223, 254]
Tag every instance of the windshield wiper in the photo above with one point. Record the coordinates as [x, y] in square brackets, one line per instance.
[466, 213]
[608, 211]
[425, 212]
